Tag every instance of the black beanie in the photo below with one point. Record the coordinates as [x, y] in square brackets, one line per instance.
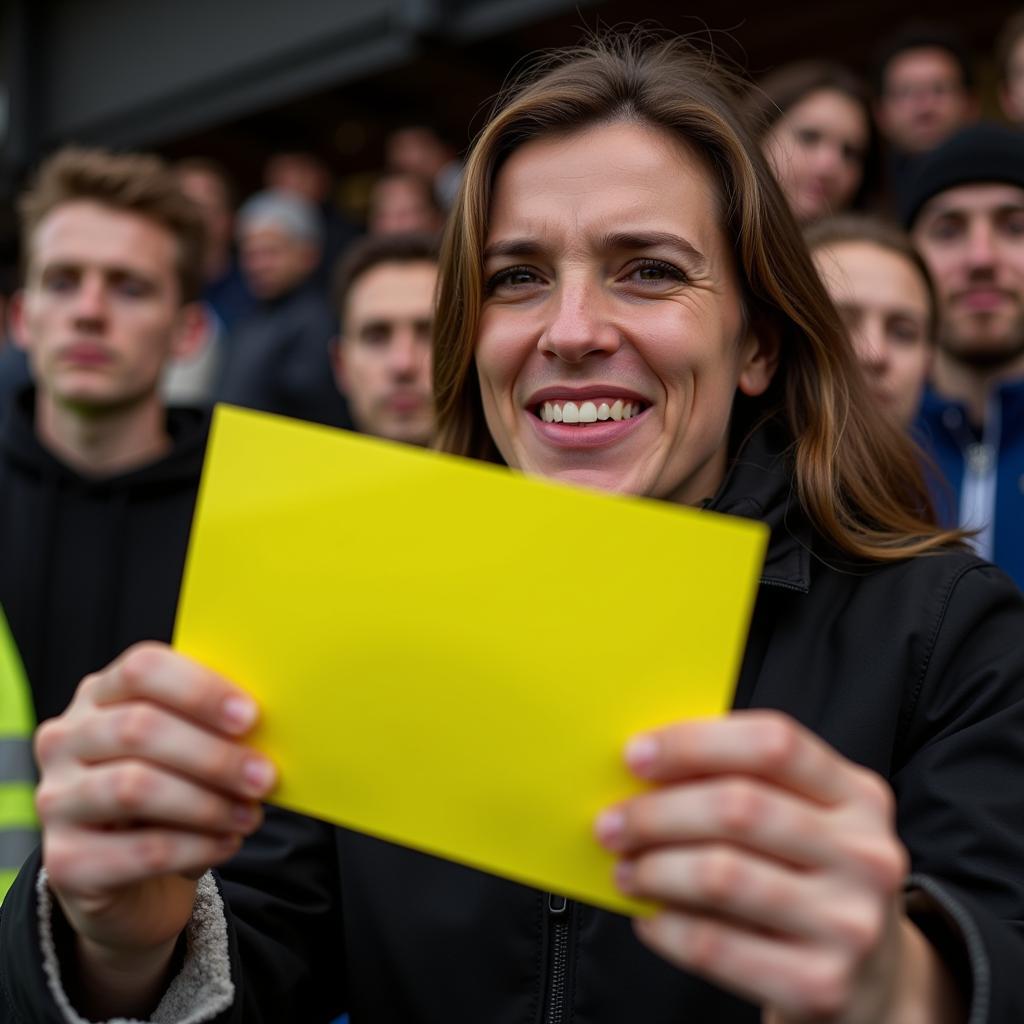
[984, 152]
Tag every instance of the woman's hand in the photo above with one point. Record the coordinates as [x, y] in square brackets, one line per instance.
[144, 785]
[779, 872]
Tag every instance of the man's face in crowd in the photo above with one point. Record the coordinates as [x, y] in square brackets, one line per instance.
[207, 191]
[400, 205]
[382, 360]
[924, 99]
[274, 261]
[300, 174]
[101, 312]
[972, 238]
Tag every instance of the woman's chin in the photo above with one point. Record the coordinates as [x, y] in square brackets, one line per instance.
[614, 481]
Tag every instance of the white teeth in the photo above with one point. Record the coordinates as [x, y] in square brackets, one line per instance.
[589, 411]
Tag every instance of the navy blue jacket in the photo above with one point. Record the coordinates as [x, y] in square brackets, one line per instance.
[984, 475]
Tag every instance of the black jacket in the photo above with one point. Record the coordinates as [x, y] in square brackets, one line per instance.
[90, 566]
[277, 359]
[915, 669]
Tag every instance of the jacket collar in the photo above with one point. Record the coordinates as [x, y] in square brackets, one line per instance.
[759, 485]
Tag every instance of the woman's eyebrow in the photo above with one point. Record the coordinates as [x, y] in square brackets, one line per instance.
[517, 248]
[635, 241]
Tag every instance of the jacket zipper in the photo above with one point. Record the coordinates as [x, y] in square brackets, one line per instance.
[558, 961]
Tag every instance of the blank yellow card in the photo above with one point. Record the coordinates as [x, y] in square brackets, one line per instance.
[448, 654]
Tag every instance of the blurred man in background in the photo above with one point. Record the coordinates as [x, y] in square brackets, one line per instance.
[418, 149]
[277, 359]
[965, 211]
[210, 187]
[306, 175]
[925, 92]
[402, 202]
[385, 299]
[97, 478]
[225, 295]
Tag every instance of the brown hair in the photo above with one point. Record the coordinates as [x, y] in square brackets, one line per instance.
[133, 182]
[856, 475]
[373, 250]
[860, 227]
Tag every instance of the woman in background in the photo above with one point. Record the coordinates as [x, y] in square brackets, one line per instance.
[814, 122]
[884, 293]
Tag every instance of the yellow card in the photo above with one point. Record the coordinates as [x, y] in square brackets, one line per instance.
[450, 655]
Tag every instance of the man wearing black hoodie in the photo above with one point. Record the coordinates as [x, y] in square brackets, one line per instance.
[97, 478]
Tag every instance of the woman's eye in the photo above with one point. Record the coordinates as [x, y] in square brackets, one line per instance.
[512, 277]
[655, 272]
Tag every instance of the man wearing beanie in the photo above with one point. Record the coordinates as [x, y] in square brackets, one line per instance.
[965, 211]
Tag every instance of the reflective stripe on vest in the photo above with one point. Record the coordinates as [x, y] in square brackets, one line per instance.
[16, 764]
[15, 846]
[18, 831]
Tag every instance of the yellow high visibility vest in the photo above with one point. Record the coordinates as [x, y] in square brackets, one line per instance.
[18, 826]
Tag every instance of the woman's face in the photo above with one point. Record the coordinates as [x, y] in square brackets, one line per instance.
[817, 151]
[612, 339]
[884, 303]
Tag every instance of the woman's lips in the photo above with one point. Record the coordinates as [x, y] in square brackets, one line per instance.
[591, 434]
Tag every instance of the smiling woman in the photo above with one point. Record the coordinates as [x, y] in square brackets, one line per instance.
[625, 302]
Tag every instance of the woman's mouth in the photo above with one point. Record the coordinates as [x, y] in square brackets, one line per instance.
[590, 411]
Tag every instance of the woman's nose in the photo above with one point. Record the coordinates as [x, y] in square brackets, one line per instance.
[579, 325]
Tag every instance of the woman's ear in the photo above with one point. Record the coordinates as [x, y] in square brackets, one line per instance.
[759, 358]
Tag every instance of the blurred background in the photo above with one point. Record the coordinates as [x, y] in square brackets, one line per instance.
[238, 81]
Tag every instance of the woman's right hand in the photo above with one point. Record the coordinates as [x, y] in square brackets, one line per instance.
[144, 785]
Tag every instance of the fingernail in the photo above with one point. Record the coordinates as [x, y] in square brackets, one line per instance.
[641, 754]
[624, 874]
[609, 827]
[239, 712]
[258, 774]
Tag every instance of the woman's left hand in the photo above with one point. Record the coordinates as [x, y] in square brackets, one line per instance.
[778, 869]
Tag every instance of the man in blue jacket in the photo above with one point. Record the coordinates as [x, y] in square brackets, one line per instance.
[965, 212]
